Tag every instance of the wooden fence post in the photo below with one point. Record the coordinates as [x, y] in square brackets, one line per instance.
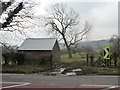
[87, 59]
[91, 60]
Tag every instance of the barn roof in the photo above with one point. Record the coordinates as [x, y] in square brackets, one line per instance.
[38, 44]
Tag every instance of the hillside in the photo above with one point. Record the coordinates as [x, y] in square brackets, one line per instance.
[97, 45]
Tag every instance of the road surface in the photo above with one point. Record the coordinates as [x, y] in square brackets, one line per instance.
[71, 80]
[38, 81]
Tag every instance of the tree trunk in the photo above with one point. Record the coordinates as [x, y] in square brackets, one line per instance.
[69, 52]
[68, 48]
[87, 59]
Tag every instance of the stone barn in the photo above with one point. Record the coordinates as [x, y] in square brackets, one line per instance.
[40, 50]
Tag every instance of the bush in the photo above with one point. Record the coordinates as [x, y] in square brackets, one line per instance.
[9, 57]
[13, 57]
[6, 57]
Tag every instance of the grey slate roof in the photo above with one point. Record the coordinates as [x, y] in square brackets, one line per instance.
[38, 44]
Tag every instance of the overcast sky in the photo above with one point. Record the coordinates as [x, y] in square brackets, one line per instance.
[101, 14]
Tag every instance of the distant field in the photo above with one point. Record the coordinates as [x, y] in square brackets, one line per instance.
[80, 58]
[76, 58]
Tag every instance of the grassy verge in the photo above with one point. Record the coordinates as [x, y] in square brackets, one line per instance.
[100, 71]
[26, 69]
[107, 71]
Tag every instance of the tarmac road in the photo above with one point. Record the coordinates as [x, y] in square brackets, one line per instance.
[62, 80]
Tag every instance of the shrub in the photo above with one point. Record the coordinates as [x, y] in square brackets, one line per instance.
[13, 57]
[6, 57]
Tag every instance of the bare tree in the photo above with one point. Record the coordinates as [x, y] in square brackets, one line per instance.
[5, 5]
[76, 36]
[62, 21]
[14, 15]
[16, 19]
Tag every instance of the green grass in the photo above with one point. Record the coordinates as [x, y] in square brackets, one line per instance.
[27, 69]
[76, 58]
[107, 71]
[100, 71]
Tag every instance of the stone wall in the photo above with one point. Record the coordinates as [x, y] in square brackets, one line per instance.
[56, 53]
